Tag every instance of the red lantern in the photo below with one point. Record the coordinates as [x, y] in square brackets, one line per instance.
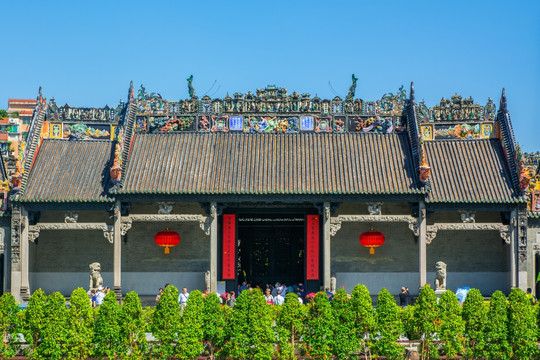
[167, 238]
[372, 239]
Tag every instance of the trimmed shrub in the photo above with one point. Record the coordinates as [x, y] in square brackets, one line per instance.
[451, 327]
[407, 319]
[345, 341]
[107, 328]
[426, 321]
[290, 326]
[496, 330]
[237, 335]
[318, 333]
[475, 316]
[34, 322]
[389, 326]
[364, 317]
[9, 324]
[521, 326]
[190, 334]
[132, 328]
[53, 333]
[249, 331]
[166, 323]
[213, 323]
[79, 327]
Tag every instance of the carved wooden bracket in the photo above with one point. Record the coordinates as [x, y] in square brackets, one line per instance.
[335, 222]
[503, 230]
[204, 221]
[33, 230]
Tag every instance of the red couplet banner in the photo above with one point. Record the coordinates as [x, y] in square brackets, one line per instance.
[229, 248]
[312, 247]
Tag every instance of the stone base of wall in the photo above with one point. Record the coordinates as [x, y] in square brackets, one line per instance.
[143, 283]
[486, 282]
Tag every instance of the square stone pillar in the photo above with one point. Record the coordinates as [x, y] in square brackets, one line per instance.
[117, 262]
[213, 246]
[422, 231]
[327, 262]
[513, 248]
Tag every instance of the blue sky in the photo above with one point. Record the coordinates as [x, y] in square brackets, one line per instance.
[85, 53]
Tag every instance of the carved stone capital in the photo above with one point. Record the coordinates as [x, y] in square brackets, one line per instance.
[205, 224]
[125, 225]
[33, 235]
[335, 225]
[109, 234]
[505, 235]
[430, 235]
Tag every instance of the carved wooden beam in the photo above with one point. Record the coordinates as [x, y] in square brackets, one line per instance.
[335, 222]
[503, 230]
[34, 230]
[204, 221]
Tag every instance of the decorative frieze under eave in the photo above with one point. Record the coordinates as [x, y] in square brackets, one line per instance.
[34, 230]
[504, 230]
[204, 221]
[335, 222]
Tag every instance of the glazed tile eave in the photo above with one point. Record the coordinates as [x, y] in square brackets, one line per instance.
[269, 164]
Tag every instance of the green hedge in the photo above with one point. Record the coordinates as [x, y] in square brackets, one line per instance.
[348, 327]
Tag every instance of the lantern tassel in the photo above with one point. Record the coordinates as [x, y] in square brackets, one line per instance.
[166, 249]
[371, 250]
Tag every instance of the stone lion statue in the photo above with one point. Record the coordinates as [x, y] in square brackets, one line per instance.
[95, 276]
[440, 275]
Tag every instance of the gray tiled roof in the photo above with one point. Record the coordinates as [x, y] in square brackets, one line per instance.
[219, 163]
[69, 171]
[468, 171]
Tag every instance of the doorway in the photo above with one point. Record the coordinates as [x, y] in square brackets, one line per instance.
[271, 253]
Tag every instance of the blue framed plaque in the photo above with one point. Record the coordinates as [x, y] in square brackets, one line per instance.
[236, 123]
[306, 123]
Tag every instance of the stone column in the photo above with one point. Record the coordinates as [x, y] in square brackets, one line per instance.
[422, 231]
[513, 248]
[326, 245]
[117, 263]
[15, 252]
[25, 261]
[213, 247]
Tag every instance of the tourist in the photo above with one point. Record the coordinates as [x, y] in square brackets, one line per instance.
[93, 298]
[100, 296]
[159, 294]
[242, 287]
[530, 296]
[301, 290]
[404, 296]
[268, 297]
[279, 300]
[231, 300]
[329, 294]
[182, 299]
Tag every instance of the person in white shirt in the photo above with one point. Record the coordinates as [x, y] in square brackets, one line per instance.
[268, 297]
[100, 296]
[183, 298]
[279, 300]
